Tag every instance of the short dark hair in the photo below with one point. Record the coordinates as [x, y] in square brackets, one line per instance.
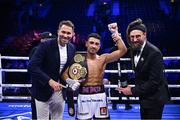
[95, 35]
[135, 25]
[66, 22]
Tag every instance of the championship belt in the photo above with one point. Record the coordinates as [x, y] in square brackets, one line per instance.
[77, 71]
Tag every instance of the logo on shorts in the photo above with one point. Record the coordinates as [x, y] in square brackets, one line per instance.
[79, 113]
[103, 111]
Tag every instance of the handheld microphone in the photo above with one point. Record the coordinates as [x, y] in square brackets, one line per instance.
[121, 82]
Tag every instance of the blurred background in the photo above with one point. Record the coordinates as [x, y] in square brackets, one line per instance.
[23, 20]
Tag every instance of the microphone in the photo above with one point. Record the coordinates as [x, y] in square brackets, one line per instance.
[45, 35]
[121, 82]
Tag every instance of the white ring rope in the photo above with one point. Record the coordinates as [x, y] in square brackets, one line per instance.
[14, 58]
[75, 98]
[131, 71]
[16, 97]
[17, 85]
[115, 86]
[122, 59]
[14, 70]
[172, 58]
[106, 71]
[106, 86]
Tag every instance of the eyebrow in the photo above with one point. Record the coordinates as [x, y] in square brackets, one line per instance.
[65, 32]
[97, 43]
[135, 35]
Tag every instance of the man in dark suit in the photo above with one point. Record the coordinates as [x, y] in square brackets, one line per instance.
[46, 65]
[44, 37]
[150, 83]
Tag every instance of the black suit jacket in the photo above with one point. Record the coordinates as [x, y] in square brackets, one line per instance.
[44, 65]
[150, 83]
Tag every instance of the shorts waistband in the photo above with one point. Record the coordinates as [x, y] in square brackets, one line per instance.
[91, 89]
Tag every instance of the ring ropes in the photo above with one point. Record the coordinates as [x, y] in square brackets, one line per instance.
[106, 71]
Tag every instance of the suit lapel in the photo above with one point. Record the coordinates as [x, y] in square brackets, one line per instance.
[132, 58]
[57, 54]
[140, 62]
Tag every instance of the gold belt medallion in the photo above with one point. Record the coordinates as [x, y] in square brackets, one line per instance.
[78, 58]
[76, 70]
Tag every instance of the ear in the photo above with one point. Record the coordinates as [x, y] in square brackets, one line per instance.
[144, 33]
[57, 31]
[73, 34]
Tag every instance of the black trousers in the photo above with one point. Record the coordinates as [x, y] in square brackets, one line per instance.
[151, 113]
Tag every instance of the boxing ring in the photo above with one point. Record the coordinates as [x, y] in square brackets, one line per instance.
[2, 85]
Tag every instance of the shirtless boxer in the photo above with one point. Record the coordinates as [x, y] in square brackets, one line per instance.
[92, 101]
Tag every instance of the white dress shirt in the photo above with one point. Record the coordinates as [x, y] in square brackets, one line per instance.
[63, 56]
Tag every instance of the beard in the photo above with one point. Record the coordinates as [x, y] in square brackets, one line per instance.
[136, 46]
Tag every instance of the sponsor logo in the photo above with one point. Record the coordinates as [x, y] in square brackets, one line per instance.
[103, 111]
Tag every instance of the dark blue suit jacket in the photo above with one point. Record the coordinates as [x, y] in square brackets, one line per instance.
[44, 65]
[150, 83]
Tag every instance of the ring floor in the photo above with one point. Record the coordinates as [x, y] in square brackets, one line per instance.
[22, 111]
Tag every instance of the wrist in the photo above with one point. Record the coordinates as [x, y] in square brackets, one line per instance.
[68, 80]
[119, 38]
